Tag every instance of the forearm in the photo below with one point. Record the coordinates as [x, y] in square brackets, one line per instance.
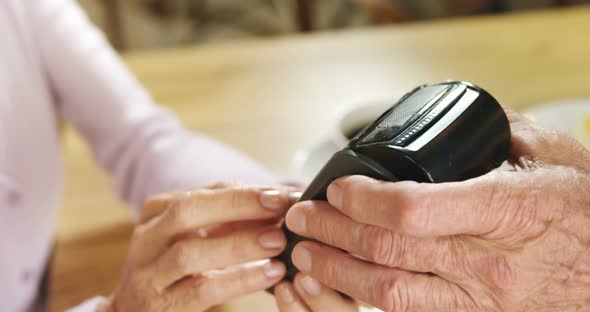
[171, 158]
[141, 145]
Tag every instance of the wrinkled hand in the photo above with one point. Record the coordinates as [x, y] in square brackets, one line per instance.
[189, 250]
[506, 241]
[306, 294]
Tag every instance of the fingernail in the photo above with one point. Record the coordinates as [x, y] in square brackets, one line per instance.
[302, 258]
[334, 194]
[294, 196]
[296, 220]
[273, 270]
[311, 286]
[273, 199]
[272, 240]
[285, 294]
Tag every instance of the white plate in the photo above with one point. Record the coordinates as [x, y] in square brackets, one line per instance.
[567, 116]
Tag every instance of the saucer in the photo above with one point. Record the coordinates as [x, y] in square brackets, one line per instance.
[571, 116]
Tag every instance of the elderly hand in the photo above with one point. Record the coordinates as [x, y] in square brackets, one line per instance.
[506, 241]
[189, 250]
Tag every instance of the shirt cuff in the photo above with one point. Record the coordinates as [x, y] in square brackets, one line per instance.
[89, 305]
[368, 309]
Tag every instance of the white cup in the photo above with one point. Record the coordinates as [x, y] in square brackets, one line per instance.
[310, 159]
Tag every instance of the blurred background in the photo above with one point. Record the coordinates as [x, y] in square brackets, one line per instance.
[139, 24]
[282, 101]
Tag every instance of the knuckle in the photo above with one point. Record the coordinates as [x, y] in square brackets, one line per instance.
[501, 196]
[182, 258]
[498, 197]
[236, 197]
[383, 246]
[526, 215]
[503, 273]
[499, 271]
[144, 285]
[179, 215]
[330, 272]
[325, 230]
[395, 295]
[522, 215]
[239, 195]
[454, 254]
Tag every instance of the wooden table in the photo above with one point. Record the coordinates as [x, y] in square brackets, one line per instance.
[288, 91]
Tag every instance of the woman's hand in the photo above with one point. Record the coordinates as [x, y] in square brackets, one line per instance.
[189, 250]
[507, 241]
[308, 295]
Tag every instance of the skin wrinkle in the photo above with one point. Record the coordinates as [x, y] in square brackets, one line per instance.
[380, 245]
[470, 300]
[437, 298]
[397, 290]
[477, 266]
[501, 271]
[524, 218]
[325, 229]
[524, 206]
[432, 256]
[582, 268]
[540, 230]
[492, 199]
[462, 299]
[453, 258]
[449, 301]
[391, 248]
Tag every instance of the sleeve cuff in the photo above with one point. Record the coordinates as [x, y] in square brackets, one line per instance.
[90, 305]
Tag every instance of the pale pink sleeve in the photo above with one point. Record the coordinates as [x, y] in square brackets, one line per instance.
[142, 145]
